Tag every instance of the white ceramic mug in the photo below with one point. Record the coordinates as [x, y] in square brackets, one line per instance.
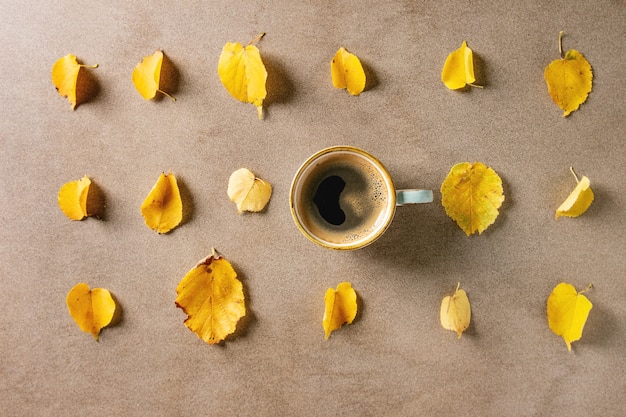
[344, 198]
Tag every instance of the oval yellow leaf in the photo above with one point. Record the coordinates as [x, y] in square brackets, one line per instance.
[65, 77]
[147, 76]
[567, 312]
[578, 201]
[212, 297]
[247, 191]
[72, 198]
[341, 307]
[162, 209]
[455, 312]
[458, 70]
[347, 72]
[243, 73]
[91, 309]
[471, 195]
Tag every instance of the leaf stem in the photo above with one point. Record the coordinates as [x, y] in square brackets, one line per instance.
[88, 66]
[475, 85]
[166, 94]
[561, 44]
[258, 38]
[590, 286]
[574, 174]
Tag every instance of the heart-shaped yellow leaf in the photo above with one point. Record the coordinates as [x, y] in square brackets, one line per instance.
[458, 70]
[471, 195]
[212, 297]
[91, 309]
[147, 76]
[578, 201]
[72, 198]
[341, 307]
[243, 73]
[568, 310]
[455, 312]
[247, 191]
[65, 77]
[162, 209]
[569, 79]
[347, 72]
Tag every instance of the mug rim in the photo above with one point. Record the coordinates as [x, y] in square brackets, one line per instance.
[379, 166]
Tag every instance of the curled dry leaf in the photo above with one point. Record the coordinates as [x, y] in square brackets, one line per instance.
[147, 76]
[578, 201]
[341, 307]
[569, 79]
[162, 209]
[568, 310]
[91, 309]
[458, 70]
[72, 198]
[212, 297]
[65, 77]
[347, 72]
[471, 195]
[247, 191]
[455, 312]
[243, 73]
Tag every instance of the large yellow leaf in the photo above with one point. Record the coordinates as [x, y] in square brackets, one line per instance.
[248, 192]
[569, 79]
[212, 297]
[567, 312]
[458, 70]
[455, 312]
[91, 309]
[472, 195]
[578, 201]
[340, 308]
[147, 76]
[243, 74]
[162, 209]
[347, 72]
[65, 77]
[72, 198]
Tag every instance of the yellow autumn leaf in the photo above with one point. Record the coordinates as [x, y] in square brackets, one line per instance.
[243, 74]
[65, 77]
[455, 312]
[91, 309]
[471, 195]
[340, 308]
[568, 310]
[569, 79]
[578, 201]
[347, 72]
[458, 70]
[212, 297]
[72, 198]
[162, 209]
[147, 76]
[247, 191]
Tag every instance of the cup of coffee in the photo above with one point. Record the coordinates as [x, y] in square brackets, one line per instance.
[344, 198]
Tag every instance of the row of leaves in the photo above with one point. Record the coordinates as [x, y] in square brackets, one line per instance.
[243, 74]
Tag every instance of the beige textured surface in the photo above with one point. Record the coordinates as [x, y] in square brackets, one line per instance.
[395, 359]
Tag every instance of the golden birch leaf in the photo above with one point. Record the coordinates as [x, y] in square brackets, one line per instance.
[65, 77]
[455, 312]
[243, 74]
[72, 198]
[91, 309]
[212, 297]
[347, 72]
[147, 76]
[162, 209]
[340, 308]
[567, 312]
[578, 201]
[569, 79]
[471, 195]
[248, 192]
[458, 70]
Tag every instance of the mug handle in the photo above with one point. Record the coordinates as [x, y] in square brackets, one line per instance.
[413, 197]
